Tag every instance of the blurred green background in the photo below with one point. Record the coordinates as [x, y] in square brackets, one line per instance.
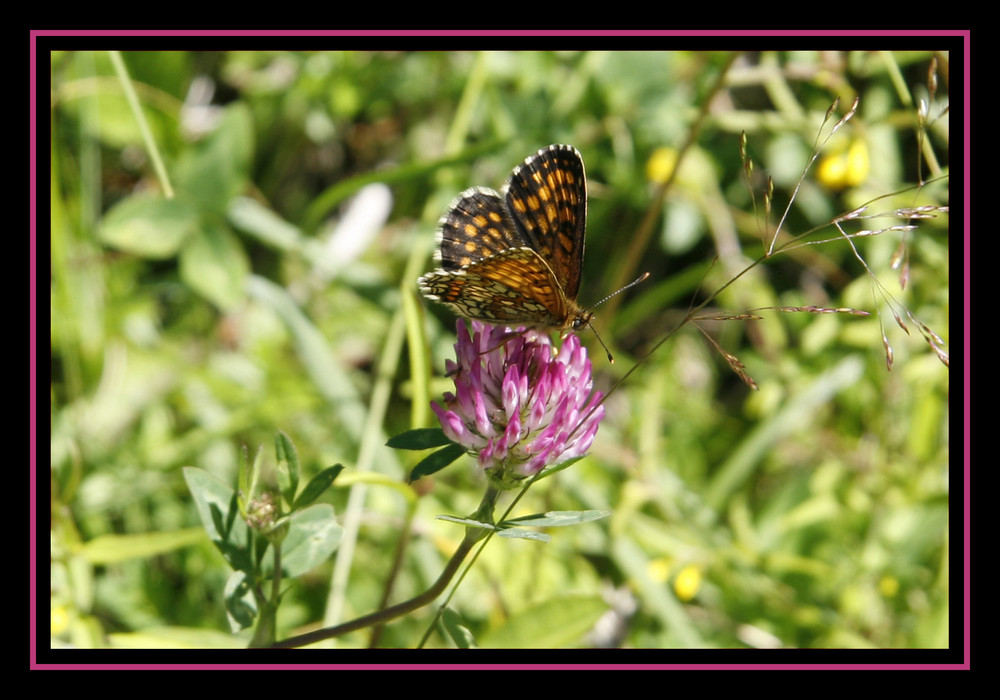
[275, 290]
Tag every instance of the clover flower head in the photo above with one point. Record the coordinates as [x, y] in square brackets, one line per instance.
[518, 403]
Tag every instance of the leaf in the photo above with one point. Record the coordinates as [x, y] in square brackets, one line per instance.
[510, 532]
[560, 518]
[109, 549]
[214, 264]
[419, 439]
[241, 606]
[522, 534]
[149, 225]
[317, 485]
[215, 171]
[118, 127]
[216, 505]
[313, 535]
[436, 461]
[253, 218]
[250, 473]
[175, 638]
[456, 630]
[559, 467]
[288, 466]
[468, 522]
[556, 623]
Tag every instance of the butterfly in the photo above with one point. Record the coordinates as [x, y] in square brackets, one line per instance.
[515, 257]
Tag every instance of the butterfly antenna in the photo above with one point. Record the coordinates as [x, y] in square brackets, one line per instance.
[600, 340]
[641, 278]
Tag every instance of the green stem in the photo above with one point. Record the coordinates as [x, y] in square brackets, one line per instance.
[472, 535]
[483, 514]
[147, 136]
[267, 624]
[393, 611]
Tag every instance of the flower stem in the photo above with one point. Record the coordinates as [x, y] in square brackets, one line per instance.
[391, 612]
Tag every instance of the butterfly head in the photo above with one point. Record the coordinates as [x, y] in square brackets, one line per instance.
[581, 319]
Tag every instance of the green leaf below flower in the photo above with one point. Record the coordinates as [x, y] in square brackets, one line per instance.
[437, 461]
[419, 439]
[558, 518]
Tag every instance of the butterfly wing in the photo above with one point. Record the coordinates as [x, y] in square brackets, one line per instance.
[515, 258]
[547, 198]
[514, 287]
[477, 226]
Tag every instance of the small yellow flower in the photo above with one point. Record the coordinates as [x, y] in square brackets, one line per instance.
[845, 165]
[661, 165]
[688, 582]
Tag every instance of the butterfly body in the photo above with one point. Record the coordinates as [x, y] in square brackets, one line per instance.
[515, 257]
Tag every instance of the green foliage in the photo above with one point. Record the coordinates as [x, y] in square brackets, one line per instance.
[298, 535]
[508, 528]
[270, 295]
[426, 438]
[553, 624]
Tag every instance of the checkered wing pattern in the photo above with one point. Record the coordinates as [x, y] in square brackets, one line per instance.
[477, 226]
[514, 287]
[516, 258]
[547, 197]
